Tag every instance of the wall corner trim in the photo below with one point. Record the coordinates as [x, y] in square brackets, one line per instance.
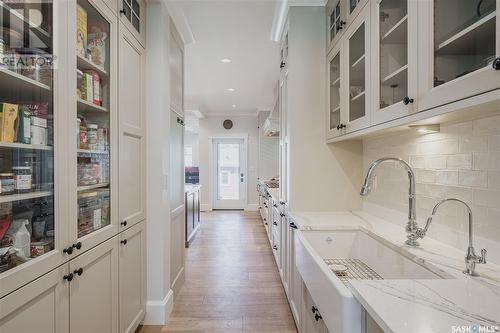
[158, 312]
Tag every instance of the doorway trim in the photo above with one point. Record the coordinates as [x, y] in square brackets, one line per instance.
[237, 136]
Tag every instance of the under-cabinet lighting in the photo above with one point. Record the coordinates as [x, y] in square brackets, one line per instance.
[225, 60]
[231, 89]
[233, 106]
[426, 129]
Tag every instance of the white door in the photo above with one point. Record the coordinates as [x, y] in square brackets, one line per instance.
[229, 176]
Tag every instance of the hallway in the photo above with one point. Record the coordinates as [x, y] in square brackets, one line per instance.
[232, 283]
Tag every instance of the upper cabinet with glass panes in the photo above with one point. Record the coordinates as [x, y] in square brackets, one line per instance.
[133, 16]
[335, 20]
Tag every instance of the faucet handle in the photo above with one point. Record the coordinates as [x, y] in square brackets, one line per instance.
[482, 260]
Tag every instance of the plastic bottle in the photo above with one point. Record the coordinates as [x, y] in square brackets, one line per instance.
[22, 239]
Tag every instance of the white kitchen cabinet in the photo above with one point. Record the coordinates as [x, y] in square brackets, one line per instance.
[296, 285]
[41, 306]
[458, 45]
[132, 277]
[312, 319]
[336, 12]
[132, 130]
[357, 72]
[113, 5]
[93, 291]
[336, 93]
[394, 59]
[133, 16]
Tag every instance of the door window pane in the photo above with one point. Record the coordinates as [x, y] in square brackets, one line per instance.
[335, 92]
[228, 171]
[357, 74]
[464, 37]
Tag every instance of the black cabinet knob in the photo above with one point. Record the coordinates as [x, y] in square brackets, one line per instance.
[123, 11]
[293, 226]
[275, 205]
[124, 242]
[341, 25]
[68, 250]
[282, 64]
[314, 309]
[124, 223]
[78, 245]
[275, 247]
[274, 223]
[407, 100]
[78, 271]
[282, 215]
[282, 203]
[496, 64]
[68, 277]
[317, 316]
[343, 126]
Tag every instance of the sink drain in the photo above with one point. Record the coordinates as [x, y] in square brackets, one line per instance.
[355, 269]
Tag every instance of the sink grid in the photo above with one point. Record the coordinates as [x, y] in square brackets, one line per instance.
[356, 270]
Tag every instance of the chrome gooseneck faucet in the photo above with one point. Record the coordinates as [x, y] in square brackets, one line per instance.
[471, 259]
[412, 229]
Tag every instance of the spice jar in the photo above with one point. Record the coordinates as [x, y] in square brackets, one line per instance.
[6, 183]
[22, 178]
[92, 136]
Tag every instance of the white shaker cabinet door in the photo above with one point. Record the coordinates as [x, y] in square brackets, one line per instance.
[94, 290]
[132, 277]
[40, 306]
[132, 123]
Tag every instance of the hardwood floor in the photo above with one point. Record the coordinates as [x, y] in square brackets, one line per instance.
[232, 283]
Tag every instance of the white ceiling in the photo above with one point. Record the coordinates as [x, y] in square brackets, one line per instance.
[235, 29]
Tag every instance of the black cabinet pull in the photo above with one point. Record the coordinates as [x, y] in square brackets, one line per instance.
[314, 309]
[343, 126]
[68, 277]
[124, 223]
[274, 223]
[282, 203]
[496, 64]
[123, 11]
[317, 316]
[282, 215]
[78, 271]
[407, 100]
[78, 245]
[124, 242]
[282, 64]
[293, 226]
[68, 250]
[275, 247]
[275, 205]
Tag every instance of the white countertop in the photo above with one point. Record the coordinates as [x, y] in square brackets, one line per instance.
[417, 305]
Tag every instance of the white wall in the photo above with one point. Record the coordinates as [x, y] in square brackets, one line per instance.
[191, 140]
[159, 301]
[462, 161]
[212, 127]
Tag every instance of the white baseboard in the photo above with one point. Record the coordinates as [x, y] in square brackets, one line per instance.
[158, 312]
[252, 207]
[205, 207]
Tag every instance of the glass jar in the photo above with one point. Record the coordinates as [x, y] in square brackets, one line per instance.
[6, 183]
[92, 136]
[22, 178]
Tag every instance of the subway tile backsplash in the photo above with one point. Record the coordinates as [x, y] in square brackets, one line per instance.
[461, 161]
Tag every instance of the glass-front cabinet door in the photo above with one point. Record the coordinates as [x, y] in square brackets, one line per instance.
[357, 46]
[31, 235]
[335, 21]
[459, 43]
[353, 8]
[394, 54]
[335, 114]
[93, 123]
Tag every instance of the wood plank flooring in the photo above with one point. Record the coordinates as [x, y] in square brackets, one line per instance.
[232, 283]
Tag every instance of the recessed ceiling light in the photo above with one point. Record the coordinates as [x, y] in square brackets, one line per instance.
[234, 105]
[231, 89]
[226, 60]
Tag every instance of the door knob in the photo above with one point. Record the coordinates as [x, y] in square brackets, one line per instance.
[496, 64]
[78, 271]
[407, 100]
[68, 277]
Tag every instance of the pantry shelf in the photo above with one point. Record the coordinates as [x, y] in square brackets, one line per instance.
[395, 77]
[462, 41]
[87, 106]
[336, 82]
[88, 151]
[358, 96]
[24, 146]
[85, 64]
[16, 82]
[92, 187]
[398, 33]
[24, 196]
[358, 61]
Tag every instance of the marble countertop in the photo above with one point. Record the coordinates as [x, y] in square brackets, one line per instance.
[435, 305]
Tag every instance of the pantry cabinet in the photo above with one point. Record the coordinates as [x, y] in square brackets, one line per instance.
[93, 290]
[133, 16]
[132, 130]
[132, 277]
[459, 50]
[41, 306]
